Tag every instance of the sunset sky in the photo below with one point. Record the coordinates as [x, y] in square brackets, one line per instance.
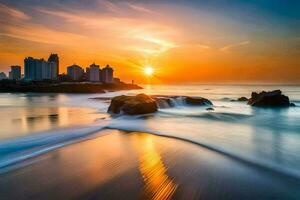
[216, 41]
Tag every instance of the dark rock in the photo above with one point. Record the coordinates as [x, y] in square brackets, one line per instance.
[132, 105]
[269, 99]
[242, 99]
[210, 109]
[292, 105]
[197, 101]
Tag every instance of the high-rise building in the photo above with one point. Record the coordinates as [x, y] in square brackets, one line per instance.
[87, 73]
[75, 72]
[54, 58]
[30, 68]
[94, 73]
[107, 74]
[15, 72]
[2, 75]
[51, 71]
[39, 69]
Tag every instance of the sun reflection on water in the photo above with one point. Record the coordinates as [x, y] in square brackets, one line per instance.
[157, 184]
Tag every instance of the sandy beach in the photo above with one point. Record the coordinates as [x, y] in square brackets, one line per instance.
[119, 165]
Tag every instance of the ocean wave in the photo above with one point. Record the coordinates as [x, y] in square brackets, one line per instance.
[253, 162]
[297, 103]
[19, 149]
[14, 151]
[220, 116]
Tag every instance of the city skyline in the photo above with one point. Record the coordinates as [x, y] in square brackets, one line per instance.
[39, 69]
[233, 41]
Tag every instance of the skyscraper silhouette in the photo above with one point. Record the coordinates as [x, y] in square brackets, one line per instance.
[54, 58]
[94, 72]
[39, 69]
[75, 72]
[107, 74]
[15, 72]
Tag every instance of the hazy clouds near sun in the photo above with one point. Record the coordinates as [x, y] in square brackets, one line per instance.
[184, 41]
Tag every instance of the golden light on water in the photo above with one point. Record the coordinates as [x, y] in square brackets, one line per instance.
[148, 71]
[158, 185]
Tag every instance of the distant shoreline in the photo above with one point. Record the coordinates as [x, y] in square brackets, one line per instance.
[63, 87]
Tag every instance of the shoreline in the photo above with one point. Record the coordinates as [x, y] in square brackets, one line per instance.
[291, 175]
[113, 165]
[64, 87]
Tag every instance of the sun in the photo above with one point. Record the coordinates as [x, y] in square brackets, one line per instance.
[148, 71]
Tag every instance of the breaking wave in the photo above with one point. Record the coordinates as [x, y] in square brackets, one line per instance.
[19, 149]
[270, 167]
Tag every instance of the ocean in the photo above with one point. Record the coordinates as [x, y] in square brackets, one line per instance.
[32, 124]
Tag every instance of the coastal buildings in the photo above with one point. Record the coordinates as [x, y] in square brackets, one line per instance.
[39, 69]
[75, 72]
[94, 73]
[107, 74]
[87, 73]
[15, 72]
[54, 58]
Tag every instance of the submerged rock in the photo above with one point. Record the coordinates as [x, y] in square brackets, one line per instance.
[227, 99]
[209, 109]
[132, 105]
[197, 101]
[242, 99]
[269, 99]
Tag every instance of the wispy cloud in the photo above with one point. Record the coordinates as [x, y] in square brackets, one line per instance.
[112, 7]
[41, 34]
[231, 46]
[152, 45]
[140, 8]
[12, 12]
[119, 7]
[77, 18]
[101, 21]
[203, 46]
[135, 32]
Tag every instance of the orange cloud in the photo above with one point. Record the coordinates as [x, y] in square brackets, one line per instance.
[136, 34]
[41, 34]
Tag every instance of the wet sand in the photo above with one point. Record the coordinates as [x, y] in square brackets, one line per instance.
[121, 165]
